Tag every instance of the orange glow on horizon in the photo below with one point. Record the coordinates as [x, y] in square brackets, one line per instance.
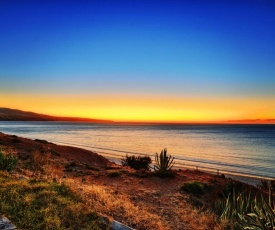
[129, 108]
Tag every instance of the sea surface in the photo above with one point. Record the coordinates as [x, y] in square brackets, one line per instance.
[237, 149]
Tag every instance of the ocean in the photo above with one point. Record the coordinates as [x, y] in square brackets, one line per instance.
[235, 149]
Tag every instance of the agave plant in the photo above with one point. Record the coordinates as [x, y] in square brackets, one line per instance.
[164, 163]
[263, 215]
[247, 212]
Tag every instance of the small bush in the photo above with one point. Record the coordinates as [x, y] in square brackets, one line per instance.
[267, 184]
[55, 153]
[39, 162]
[15, 141]
[7, 161]
[70, 165]
[42, 141]
[143, 173]
[231, 186]
[137, 162]
[90, 167]
[114, 174]
[194, 187]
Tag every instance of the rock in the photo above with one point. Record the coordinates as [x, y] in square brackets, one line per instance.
[5, 224]
[105, 220]
[119, 226]
[22, 177]
[115, 224]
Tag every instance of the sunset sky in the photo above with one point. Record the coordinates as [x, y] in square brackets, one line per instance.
[171, 61]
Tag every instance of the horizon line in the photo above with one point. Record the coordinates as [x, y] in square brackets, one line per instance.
[98, 120]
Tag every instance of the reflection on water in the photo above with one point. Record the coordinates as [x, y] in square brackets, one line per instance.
[236, 148]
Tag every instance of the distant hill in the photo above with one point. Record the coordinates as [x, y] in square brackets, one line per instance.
[253, 121]
[7, 114]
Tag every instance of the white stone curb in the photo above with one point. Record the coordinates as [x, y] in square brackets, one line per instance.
[119, 226]
[5, 224]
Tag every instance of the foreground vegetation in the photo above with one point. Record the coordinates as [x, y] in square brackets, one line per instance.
[237, 209]
[8, 161]
[137, 162]
[163, 163]
[36, 204]
[242, 210]
[56, 192]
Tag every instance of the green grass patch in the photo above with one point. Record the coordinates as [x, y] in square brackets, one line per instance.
[193, 187]
[35, 204]
[8, 161]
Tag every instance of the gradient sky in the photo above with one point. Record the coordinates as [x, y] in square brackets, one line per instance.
[139, 60]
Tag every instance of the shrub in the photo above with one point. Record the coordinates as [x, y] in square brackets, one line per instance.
[70, 166]
[42, 141]
[7, 161]
[114, 174]
[164, 164]
[15, 141]
[267, 184]
[142, 173]
[231, 186]
[137, 162]
[39, 162]
[194, 187]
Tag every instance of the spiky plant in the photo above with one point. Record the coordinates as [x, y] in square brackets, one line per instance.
[247, 212]
[163, 164]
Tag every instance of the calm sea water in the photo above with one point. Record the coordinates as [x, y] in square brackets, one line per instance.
[243, 149]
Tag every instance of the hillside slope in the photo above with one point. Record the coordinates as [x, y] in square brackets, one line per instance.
[7, 114]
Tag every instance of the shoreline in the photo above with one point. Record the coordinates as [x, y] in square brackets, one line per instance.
[250, 178]
[115, 191]
[245, 178]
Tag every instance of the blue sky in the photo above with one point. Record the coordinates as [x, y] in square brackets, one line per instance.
[184, 48]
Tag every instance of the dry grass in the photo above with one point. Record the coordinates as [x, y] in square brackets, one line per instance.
[167, 212]
[109, 203]
[39, 162]
[177, 214]
[41, 165]
[143, 203]
[34, 204]
[197, 219]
